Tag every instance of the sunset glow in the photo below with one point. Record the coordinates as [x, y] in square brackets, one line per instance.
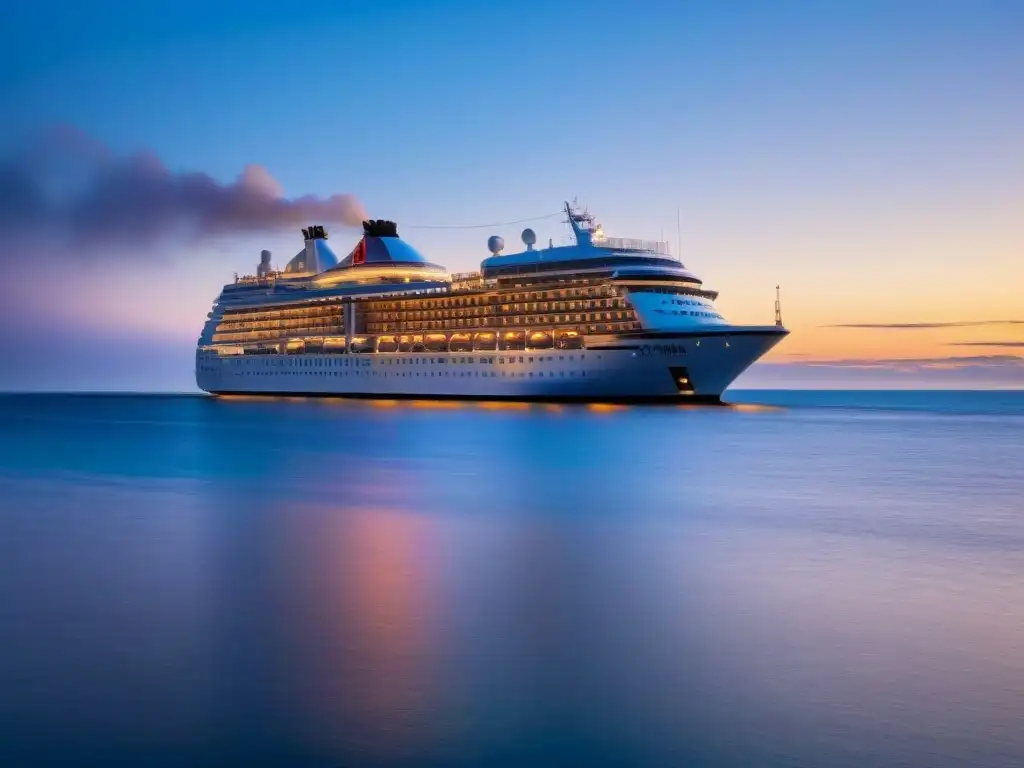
[867, 159]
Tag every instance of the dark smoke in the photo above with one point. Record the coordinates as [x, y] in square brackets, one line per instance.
[71, 188]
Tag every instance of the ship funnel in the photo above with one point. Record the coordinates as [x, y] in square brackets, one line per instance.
[381, 244]
[264, 268]
[380, 228]
[316, 232]
[316, 256]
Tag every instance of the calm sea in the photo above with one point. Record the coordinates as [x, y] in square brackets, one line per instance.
[806, 579]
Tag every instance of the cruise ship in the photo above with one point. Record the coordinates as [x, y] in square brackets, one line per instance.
[599, 319]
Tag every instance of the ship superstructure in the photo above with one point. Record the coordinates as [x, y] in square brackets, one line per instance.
[599, 319]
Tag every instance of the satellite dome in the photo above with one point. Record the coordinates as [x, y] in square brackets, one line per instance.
[495, 244]
[529, 238]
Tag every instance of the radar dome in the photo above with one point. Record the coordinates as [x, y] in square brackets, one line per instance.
[529, 239]
[495, 244]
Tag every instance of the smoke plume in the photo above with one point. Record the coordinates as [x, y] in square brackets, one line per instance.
[71, 188]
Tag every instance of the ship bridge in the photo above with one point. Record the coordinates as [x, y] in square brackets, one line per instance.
[593, 254]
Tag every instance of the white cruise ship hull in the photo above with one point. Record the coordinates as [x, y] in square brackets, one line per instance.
[654, 366]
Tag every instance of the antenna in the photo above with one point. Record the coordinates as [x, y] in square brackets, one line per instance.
[778, 307]
[679, 235]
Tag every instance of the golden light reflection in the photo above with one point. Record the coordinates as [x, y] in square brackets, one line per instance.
[755, 408]
[441, 405]
[338, 401]
[363, 632]
[503, 405]
[484, 405]
[605, 407]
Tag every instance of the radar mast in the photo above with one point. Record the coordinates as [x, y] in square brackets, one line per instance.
[582, 222]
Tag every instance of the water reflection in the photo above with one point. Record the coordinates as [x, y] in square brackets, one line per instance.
[357, 634]
[331, 583]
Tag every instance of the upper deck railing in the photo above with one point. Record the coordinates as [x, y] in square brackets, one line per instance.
[630, 244]
[257, 279]
[467, 281]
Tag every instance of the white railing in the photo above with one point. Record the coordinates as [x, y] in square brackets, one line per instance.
[256, 279]
[628, 243]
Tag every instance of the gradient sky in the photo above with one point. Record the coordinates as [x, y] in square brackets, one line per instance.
[868, 157]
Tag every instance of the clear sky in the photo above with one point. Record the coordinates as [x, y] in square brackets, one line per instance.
[867, 156]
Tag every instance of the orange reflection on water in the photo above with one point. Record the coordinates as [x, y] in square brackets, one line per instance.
[363, 655]
[382, 573]
[337, 400]
[605, 407]
[503, 405]
[436, 404]
[755, 408]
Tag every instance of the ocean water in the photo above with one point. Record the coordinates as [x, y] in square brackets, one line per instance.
[802, 579]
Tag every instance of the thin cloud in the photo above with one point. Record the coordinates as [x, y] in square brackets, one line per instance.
[880, 374]
[919, 326]
[67, 186]
[925, 363]
[999, 344]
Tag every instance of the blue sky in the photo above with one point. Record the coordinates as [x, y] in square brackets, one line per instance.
[866, 155]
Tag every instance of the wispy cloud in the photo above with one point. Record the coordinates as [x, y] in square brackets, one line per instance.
[999, 344]
[924, 363]
[920, 326]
